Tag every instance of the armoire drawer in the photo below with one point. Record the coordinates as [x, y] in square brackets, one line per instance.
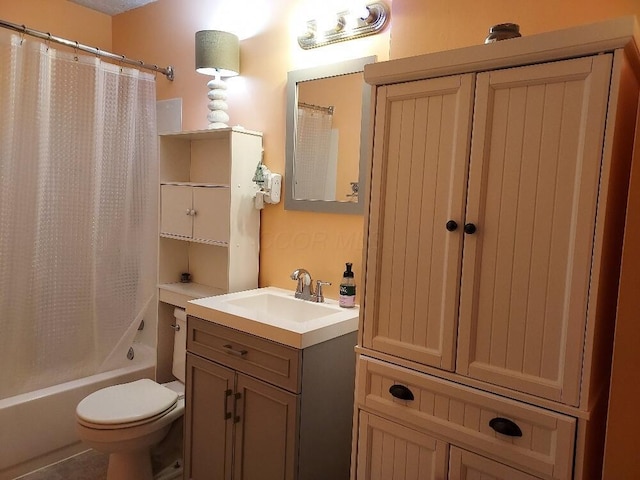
[264, 359]
[462, 415]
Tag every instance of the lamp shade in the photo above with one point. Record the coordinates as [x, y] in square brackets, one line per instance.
[218, 53]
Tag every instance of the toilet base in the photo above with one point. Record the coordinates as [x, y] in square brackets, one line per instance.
[134, 465]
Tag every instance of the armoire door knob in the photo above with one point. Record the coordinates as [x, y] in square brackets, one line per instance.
[451, 225]
[469, 228]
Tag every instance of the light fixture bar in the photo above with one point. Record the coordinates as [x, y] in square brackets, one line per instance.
[374, 23]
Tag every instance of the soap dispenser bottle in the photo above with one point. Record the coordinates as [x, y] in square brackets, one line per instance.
[347, 289]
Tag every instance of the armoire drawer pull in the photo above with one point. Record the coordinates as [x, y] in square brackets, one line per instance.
[505, 427]
[401, 392]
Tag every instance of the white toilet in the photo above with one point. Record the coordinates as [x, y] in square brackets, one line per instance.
[126, 420]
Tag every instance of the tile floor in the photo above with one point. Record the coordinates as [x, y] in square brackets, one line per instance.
[90, 465]
[166, 461]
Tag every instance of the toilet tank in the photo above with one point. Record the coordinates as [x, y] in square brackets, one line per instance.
[180, 345]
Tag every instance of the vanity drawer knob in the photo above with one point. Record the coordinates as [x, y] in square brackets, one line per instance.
[401, 392]
[505, 427]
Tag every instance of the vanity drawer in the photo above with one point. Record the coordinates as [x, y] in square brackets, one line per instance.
[461, 415]
[255, 356]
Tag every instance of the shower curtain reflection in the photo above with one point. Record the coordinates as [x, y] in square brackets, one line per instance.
[316, 159]
[78, 207]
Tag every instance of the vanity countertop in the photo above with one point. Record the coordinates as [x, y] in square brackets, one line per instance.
[275, 314]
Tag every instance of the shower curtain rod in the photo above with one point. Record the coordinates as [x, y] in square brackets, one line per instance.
[168, 71]
[328, 110]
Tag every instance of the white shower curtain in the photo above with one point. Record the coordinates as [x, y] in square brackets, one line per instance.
[78, 211]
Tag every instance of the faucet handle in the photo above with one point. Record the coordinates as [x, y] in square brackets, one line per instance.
[319, 297]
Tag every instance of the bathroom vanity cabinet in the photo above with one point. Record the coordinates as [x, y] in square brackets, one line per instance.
[499, 179]
[209, 227]
[260, 410]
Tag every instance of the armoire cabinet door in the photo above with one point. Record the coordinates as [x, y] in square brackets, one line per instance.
[416, 214]
[533, 190]
[389, 451]
[465, 465]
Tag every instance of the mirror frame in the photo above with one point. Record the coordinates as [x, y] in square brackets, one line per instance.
[315, 73]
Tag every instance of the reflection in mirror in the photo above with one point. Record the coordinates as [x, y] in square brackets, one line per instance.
[327, 121]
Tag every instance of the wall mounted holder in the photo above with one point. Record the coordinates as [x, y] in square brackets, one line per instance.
[269, 185]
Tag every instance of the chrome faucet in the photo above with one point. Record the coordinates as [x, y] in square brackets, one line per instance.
[304, 289]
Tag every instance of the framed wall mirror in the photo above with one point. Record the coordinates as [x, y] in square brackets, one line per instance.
[327, 131]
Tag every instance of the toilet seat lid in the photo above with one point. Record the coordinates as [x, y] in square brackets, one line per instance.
[126, 403]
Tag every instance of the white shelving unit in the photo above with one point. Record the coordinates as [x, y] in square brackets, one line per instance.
[209, 226]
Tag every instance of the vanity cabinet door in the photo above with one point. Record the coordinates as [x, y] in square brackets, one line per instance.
[533, 191]
[416, 214]
[389, 451]
[265, 431]
[237, 427]
[208, 420]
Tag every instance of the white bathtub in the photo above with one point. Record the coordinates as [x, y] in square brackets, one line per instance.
[38, 428]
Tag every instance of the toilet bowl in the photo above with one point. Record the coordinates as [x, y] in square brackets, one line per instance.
[126, 420]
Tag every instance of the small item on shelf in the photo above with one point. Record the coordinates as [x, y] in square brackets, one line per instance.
[503, 31]
[185, 277]
[347, 289]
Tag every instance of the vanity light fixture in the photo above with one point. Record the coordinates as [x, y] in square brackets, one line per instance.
[348, 25]
[217, 55]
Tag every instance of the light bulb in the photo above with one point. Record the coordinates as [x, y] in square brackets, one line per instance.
[362, 12]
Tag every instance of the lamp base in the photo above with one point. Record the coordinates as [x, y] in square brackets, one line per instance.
[217, 117]
[213, 125]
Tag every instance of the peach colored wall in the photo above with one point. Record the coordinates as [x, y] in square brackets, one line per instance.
[423, 26]
[60, 18]
[622, 453]
[163, 33]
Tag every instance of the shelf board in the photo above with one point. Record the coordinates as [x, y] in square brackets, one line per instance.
[212, 133]
[196, 184]
[179, 294]
[215, 243]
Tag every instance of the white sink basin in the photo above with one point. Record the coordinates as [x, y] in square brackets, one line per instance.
[275, 314]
